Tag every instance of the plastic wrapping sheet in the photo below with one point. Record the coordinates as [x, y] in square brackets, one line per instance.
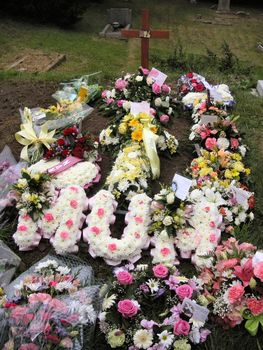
[77, 266]
[47, 319]
[9, 262]
[6, 159]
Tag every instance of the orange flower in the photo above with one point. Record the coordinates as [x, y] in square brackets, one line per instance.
[137, 135]
[154, 129]
[134, 123]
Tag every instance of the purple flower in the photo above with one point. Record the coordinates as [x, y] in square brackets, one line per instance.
[157, 347]
[148, 324]
[133, 348]
[204, 333]
[172, 282]
[160, 292]
[144, 288]
[177, 310]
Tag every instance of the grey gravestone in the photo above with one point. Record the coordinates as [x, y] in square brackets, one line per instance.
[260, 87]
[118, 18]
[223, 5]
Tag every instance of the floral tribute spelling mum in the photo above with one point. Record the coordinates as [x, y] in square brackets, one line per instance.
[138, 87]
[153, 308]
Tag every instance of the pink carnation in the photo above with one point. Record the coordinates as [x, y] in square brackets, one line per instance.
[156, 88]
[69, 223]
[22, 228]
[112, 247]
[235, 293]
[109, 101]
[210, 143]
[160, 271]
[258, 270]
[181, 327]
[127, 308]
[96, 230]
[39, 297]
[145, 71]
[255, 306]
[120, 84]
[73, 203]
[104, 93]
[234, 143]
[138, 219]
[124, 278]
[165, 251]
[48, 217]
[64, 235]
[184, 291]
[100, 212]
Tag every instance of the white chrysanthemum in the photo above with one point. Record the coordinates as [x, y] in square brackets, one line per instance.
[143, 338]
[46, 264]
[138, 78]
[141, 267]
[223, 143]
[161, 144]
[166, 338]
[65, 285]
[123, 185]
[153, 285]
[63, 270]
[108, 302]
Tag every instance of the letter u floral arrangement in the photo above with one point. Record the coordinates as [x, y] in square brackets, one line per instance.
[152, 305]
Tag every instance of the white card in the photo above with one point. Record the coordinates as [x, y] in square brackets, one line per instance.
[241, 195]
[140, 107]
[208, 119]
[181, 186]
[157, 76]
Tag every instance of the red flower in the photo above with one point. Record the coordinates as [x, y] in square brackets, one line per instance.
[53, 338]
[70, 131]
[190, 75]
[82, 139]
[199, 87]
[251, 202]
[78, 152]
[65, 153]
[61, 142]
[49, 154]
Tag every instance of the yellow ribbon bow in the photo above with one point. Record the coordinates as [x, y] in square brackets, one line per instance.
[28, 137]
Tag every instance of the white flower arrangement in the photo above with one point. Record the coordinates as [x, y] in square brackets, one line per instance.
[135, 236]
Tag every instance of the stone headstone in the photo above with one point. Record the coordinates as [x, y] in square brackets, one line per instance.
[223, 5]
[118, 18]
[260, 87]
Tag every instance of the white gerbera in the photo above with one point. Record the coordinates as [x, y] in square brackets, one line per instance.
[65, 285]
[166, 338]
[108, 302]
[63, 270]
[153, 285]
[143, 338]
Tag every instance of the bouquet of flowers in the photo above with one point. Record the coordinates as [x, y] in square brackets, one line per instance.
[191, 82]
[50, 308]
[234, 285]
[153, 308]
[34, 193]
[72, 142]
[138, 87]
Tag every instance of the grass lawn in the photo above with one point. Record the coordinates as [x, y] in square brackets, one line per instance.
[86, 53]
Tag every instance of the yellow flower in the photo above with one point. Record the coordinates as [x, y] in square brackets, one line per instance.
[228, 174]
[122, 128]
[36, 177]
[134, 123]
[205, 171]
[238, 166]
[126, 118]
[137, 135]
[236, 156]
[248, 171]
[154, 129]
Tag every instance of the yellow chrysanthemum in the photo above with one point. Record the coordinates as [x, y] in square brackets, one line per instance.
[238, 166]
[134, 123]
[122, 128]
[137, 135]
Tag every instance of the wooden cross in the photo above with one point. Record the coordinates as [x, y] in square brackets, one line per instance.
[145, 33]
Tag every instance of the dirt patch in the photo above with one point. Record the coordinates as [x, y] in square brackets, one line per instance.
[16, 94]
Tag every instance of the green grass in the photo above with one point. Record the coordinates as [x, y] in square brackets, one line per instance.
[87, 52]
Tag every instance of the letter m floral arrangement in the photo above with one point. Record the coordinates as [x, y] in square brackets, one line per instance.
[152, 308]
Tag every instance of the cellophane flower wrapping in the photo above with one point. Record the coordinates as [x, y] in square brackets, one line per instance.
[53, 305]
[9, 262]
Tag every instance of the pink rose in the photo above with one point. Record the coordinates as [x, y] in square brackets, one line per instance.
[234, 143]
[184, 291]
[258, 270]
[109, 101]
[39, 297]
[120, 84]
[156, 88]
[166, 89]
[124, 277]
[160, 271]
[145, 71]
[28, 346]
[104, 94]
[210, 143]
[152, 111]
[255, 306]
[127, 308]
[235, 293]
[164, 118]
[181, 327]
[120, 103]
